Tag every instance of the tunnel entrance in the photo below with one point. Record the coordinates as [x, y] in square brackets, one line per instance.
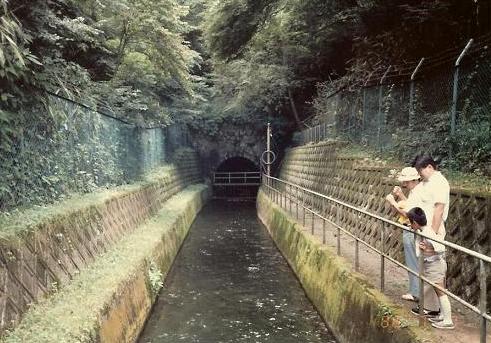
[236, 178]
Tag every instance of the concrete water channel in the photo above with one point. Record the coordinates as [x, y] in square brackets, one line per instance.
[229, 283]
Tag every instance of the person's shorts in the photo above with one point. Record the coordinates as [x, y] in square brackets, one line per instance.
[435, 268]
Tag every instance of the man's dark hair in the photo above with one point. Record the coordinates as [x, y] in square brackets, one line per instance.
[424, 161]
[417, 215]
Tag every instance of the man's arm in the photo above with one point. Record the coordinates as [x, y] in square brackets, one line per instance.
[437, 217]
[390, 199]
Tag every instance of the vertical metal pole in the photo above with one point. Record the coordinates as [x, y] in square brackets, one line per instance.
[421, 288]
[483, 300]
[357, 255]
[313, 219]
[379, 117]
[268, 149]
[456, 87]
[284, 197]
[303, 207]
[290, 195]
[382, 259]
[411, 95]
[296, 202]
[338, 223]
[363, 111]
[323, 231]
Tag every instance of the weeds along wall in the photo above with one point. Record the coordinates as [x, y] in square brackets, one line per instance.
[69, 148]
[38, 257]
[364, 183]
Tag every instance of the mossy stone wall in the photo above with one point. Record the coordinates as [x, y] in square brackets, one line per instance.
[351, 307]
[38, 259]
[110, 300]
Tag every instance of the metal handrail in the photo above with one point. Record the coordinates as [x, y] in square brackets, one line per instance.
[242, 173]
[481, 310]
[237, 178]
[387, 221]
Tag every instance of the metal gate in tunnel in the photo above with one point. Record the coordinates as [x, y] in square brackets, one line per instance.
[236, 178]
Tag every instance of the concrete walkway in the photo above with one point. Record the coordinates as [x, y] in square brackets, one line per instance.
[467, 323]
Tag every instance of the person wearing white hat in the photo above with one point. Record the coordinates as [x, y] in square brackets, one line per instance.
[410, 179]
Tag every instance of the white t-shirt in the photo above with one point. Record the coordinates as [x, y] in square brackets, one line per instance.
[415, 197]
[427, 230]
[435, 190]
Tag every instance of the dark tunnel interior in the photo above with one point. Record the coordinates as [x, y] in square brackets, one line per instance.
[236, 190]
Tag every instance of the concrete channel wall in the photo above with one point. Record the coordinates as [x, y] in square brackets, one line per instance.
[39, 258]
[354, 310]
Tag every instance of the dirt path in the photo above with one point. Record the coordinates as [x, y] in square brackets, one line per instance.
[467, 323]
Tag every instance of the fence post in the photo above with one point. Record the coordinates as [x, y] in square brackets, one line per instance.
[338, 222]
[482, 298]
[379, 117]
[303, 207]
[411, 94]
[456, 87]
[421, 289]
[313, 217]
[357, 255]
[382, 258]
[364, 105]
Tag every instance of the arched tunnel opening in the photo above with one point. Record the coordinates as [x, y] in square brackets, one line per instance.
[236, 178]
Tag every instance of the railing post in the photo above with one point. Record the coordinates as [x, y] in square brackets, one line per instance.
[290, 196]
[323, 231]
[313, 219]
[357, 255]
[482, 299]
[303, 207]
[296, 202]
[421, 288]
[338, 223]
[382, 259]
[284, 197]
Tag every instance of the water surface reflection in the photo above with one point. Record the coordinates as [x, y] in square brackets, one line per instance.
[229, 283]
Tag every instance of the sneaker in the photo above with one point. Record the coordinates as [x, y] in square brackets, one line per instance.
[443, 325]
[426, 313]
[409, 297]
[436, 319]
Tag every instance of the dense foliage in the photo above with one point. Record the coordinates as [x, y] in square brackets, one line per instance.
[281, 59]
[206, 62]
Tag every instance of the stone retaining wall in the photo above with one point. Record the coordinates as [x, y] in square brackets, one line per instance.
[354, 310]
[110, 300]
[364, 183]
[41, 259]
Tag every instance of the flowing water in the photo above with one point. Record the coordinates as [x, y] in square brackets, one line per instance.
[229, 283]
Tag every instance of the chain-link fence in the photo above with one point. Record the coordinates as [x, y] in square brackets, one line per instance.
[74, 149]
[441, 106]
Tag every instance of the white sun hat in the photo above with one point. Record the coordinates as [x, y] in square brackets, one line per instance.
[408, 174]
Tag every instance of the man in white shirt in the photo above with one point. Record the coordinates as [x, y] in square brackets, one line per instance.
[436, 195]
[436, 201]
